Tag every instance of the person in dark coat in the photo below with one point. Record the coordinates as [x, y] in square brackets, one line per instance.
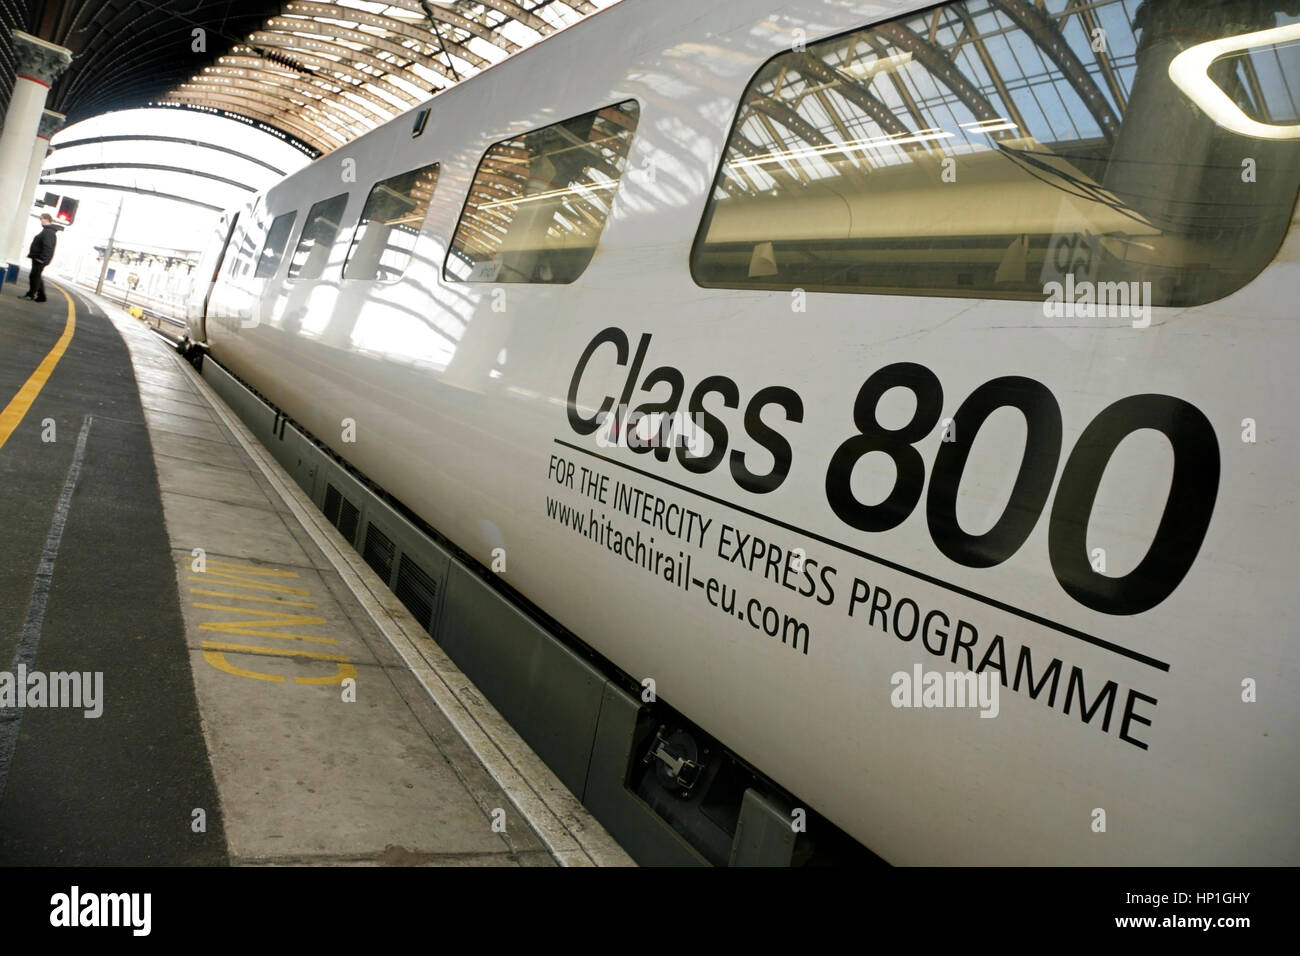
[41, 252]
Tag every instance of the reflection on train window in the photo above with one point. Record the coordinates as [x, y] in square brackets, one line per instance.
[991, 147]
[276, 239]
[390, 222]
[539, 201]
[236, 246]
[1266, 79]
[225, 234]
[244, 244]
[318, 235]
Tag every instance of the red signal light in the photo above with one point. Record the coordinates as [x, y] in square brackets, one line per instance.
[67, 210]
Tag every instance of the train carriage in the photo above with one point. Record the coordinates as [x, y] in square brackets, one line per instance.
[895, 398]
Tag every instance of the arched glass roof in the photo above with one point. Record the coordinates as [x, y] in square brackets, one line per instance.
[326, 72]
[314, 73]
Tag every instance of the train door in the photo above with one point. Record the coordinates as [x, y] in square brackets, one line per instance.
[198, 330]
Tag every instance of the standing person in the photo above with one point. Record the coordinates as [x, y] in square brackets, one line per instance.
[41, 252]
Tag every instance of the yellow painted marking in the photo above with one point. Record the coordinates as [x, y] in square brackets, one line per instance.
[216, 656]
[246, 577]
[252, 569]
[345, 671]
[239, 581]
[277, 619]
[254, 632]
[251, 631]
[218, 660]
[279, 602]
[281, 617]
[21, 402]
[272, 651]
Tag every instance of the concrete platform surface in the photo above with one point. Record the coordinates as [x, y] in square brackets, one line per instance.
[265, 699]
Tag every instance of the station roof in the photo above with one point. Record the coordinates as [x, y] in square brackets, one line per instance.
[317, 72]
[126, 52]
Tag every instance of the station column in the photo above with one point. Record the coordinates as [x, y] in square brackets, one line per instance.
[51, 123]
[39, 64]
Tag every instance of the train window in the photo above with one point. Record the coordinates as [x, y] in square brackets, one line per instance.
[538, 202]
[390, 222]
[277, 237]
[235, 246]
[1004, 149]
[225, 231]
[244, 245]
[318, 235]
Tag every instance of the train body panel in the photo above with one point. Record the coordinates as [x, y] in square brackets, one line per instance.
[765, 616]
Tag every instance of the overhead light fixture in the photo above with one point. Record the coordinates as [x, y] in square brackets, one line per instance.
[855, 146]
[990, 125]
[1189, 71]
[575, 190]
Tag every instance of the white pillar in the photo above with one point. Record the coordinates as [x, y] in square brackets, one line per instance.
[39, 64]
[51, 122]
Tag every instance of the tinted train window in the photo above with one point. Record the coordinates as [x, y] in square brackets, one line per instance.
[276, 239]
[390, 222]
[318, 235]
[991, 147]
[539, 201]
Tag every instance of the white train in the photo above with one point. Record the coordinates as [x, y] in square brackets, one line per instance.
[974, 329]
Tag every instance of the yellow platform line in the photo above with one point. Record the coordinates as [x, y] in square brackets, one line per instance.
[21, 402]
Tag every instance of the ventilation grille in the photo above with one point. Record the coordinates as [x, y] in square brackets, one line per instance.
[348, 517]
[332, 501]
[378, 553]
[417, 590]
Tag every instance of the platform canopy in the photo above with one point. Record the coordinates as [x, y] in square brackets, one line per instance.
[315, 72]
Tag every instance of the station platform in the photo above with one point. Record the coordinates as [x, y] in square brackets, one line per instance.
[234, 684]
